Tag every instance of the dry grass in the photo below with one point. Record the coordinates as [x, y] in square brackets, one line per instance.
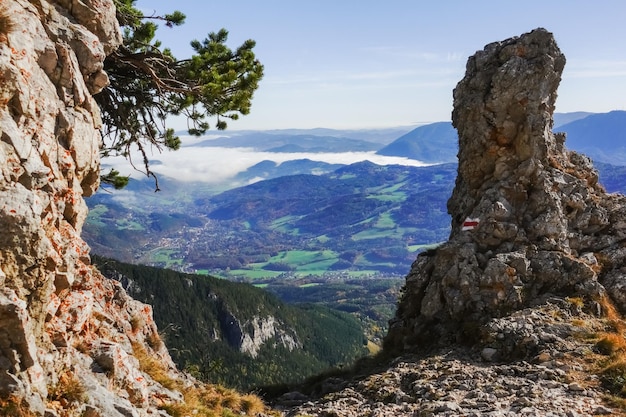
[137, 322]
[578, 302]
[6, 23]
[613, 317]
[151, 365]
[202, 400]
[213, 401]
[611, 345]
[69, 389]
[154, 340]
[14, 407]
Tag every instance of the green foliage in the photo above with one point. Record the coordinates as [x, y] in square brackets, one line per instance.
[114, 178]
[191, 310]
[148, 84]
[372, 300]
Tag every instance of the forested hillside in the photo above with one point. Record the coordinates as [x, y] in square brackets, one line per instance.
[236, 334]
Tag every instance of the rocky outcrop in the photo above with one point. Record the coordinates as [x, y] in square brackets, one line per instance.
[67, 334]
[250, 336]
[529, 218]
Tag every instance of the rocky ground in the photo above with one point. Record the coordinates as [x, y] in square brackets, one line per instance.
[556, 378]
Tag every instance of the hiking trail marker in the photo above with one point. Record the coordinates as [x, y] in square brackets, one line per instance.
[470, 224]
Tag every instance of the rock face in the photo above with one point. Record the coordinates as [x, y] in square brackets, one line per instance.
[250, 336]
[62, 324]
[529, 219]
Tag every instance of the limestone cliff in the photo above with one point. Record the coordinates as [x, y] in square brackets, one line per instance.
[529, 219]
[67, 335]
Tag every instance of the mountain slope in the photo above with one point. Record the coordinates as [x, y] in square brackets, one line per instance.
[438, 142]
[600, 136]
[269, 169]
[237, 334]
[433, 143]
[561, 119]
[361, 217]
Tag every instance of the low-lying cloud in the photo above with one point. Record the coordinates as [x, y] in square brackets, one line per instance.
[218, 165]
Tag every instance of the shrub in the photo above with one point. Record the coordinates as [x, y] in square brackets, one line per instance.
[613, 377]
[68, 389]
[611, 343]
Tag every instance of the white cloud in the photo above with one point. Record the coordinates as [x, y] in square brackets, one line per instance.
[218, 165]
[125, 198]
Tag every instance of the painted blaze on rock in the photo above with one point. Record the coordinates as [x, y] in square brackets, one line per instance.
[543, 219]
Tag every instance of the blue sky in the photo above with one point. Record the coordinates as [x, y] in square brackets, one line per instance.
[365, 64]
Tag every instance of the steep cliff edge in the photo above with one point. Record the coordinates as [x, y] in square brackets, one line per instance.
[69, 338]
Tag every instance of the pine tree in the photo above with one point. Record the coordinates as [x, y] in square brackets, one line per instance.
[148, 84]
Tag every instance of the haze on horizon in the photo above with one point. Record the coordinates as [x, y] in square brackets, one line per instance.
[363, 64]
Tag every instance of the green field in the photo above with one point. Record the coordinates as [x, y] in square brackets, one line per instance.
[390, 193]
[379, 233]
[95, 215]
[129, 225]
[394, 198]
[284, 224]
[385, 221]
[168, 258]
[347, 176]
[303, 257]
[253, 273]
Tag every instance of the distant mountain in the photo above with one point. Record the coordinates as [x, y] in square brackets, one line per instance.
[600, 136]
[265, 170]
[357, 202]
[612, 177]
[381, 214]
[381, 136]
[561, 119]
[433, 143]
[261, 141]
